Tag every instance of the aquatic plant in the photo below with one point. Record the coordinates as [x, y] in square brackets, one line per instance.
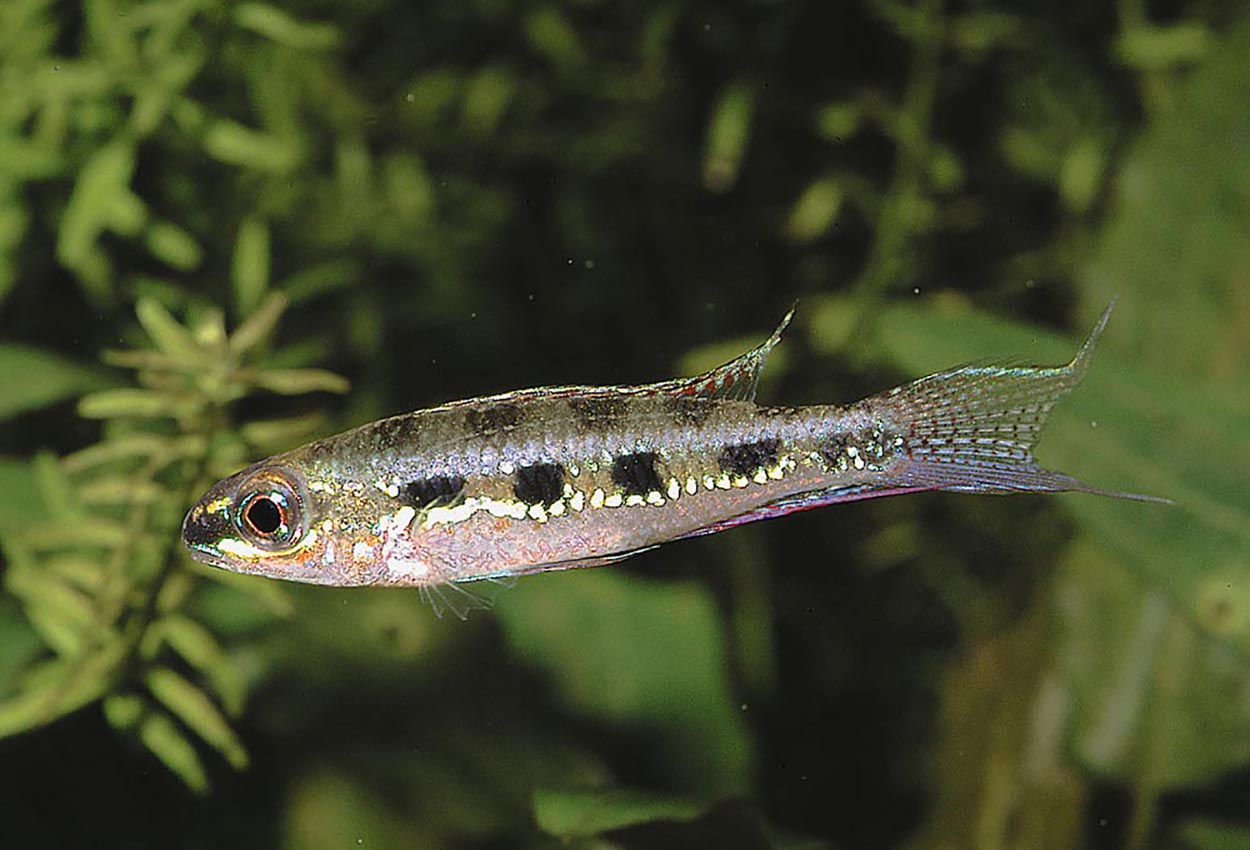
[101, 576]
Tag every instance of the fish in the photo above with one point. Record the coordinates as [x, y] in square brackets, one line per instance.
[565, 477]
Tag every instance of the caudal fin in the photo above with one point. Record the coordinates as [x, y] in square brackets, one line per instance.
[972, 429]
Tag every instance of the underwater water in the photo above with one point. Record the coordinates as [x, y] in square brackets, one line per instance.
[227, 229]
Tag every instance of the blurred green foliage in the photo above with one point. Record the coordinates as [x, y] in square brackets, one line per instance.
[99, 572]
[448, 198]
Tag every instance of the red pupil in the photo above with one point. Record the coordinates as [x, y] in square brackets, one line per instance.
[264, 515]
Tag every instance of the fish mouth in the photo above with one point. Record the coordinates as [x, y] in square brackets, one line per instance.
[208, 557]
[197, 533]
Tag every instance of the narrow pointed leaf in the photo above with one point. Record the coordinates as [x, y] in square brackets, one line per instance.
[160, 735]
[58, 687]
[250, 270]
[170, 336]
[583, 813]
[257, 327]
[200, 649]
[130, 402]
[35, 379]
[193, 707]
[299, 381]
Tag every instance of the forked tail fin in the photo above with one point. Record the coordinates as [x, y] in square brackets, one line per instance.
[972, 429]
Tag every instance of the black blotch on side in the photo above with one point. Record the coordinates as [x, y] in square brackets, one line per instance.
[690, 410]
[540, 484]
[437, 489]
[745, 458]
[834, 448]
[485, 421]
[598, 411]
[635, 473]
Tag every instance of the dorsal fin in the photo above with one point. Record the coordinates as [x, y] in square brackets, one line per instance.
[734, 381]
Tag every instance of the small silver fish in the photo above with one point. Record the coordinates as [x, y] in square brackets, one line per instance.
[563, 477]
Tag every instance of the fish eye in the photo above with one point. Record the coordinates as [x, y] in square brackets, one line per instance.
[264, 514]
[270, 513]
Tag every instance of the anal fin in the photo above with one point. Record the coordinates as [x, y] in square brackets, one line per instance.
[812, 499]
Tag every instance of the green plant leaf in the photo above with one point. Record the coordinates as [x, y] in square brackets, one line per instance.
[58, 687]
[299, 381]
[130, 402]
[61, 614]
[284, 28]
[19, 643]
[200, 649]
[728, 133]
[581, 813]
[1205, 834]
[193, 707]
[100, 196]
[123, 710]
[258, 325]
[236, 144]
[1178, 235]
[173, 246]
[35, 379]
[89, 531]
[132, 447]
[815, 210]
[160, 735]
[644, 655]
[121, 490]
[168, 334]
[19, 503]
[550, 35]
[250, 271]
[1155, 702]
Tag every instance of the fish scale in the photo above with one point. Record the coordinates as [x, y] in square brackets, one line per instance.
[563, 477]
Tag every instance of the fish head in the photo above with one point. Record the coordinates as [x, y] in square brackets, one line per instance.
[267, 521]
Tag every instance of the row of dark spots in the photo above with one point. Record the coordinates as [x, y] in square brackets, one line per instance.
[747, 458]
[539, 484]
[834, 448]
[635, 474]
[435, 491]
[536, 484]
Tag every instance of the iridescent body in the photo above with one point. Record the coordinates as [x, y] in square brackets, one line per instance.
[566, 477]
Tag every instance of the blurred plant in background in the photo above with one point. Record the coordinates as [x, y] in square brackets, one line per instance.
[449, 198]
[99, 572]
